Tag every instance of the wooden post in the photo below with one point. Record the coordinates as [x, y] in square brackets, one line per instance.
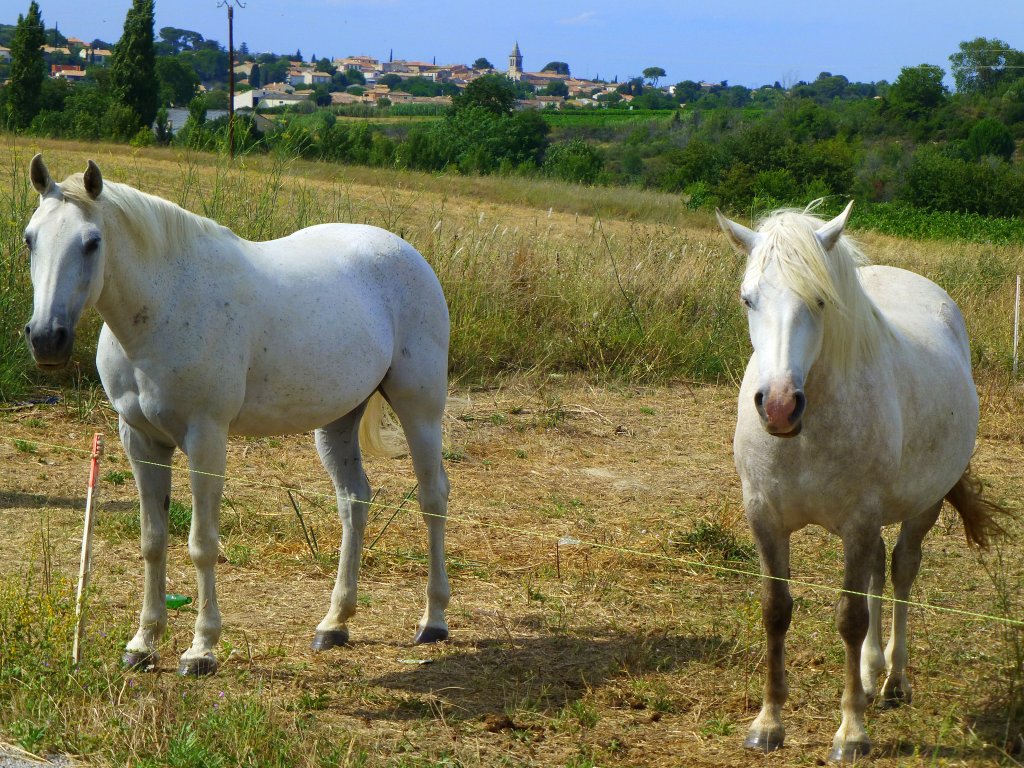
[83, 566]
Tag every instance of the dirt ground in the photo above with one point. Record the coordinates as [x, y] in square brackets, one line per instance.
[591, 620]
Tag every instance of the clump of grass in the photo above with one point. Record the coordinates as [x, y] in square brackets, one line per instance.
[716, 542]
[117, 477]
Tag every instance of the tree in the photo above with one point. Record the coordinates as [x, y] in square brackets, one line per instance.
[178, 81]
[688, 91]
[558, 67]
[133, 77]
[482, 63]
[556, 88]
[28, 69]
[176, 40]
[989, 137]
[918, 90]
[653, 75]
[254, 76]
[982, 65]
[495, 93]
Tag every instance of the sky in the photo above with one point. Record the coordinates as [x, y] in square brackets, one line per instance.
[745, 42]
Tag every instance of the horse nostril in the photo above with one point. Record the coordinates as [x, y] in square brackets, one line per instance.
[801, 403]
[28, 331]
[759, 403]
[61, 337]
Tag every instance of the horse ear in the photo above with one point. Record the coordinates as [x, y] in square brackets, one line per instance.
[40, 175]
[828, 235]
[93, 180]
[741, 237]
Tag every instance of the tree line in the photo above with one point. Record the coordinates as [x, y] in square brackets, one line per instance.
[912, 141]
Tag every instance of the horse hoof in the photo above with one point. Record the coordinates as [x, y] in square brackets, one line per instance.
[849, 752]
[764, 741]
[895, 698]
[140, 660]
[325, 639]
[200, 666]
[431, 635]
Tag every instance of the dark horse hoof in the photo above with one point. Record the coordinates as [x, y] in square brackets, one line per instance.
[849, 752]
[897, 697]
[431, 635]
[325, 639]
[197, 667]
[765, 741]
[139, 660]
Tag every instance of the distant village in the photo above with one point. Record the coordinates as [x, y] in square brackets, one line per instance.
[71, 61]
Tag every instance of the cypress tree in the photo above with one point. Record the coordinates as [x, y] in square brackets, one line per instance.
[28, 69]
[133, 78]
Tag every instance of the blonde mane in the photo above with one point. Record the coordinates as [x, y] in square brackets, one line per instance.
[853, 325]
[150, 221]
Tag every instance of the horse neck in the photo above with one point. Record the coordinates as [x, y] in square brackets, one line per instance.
[141, 274]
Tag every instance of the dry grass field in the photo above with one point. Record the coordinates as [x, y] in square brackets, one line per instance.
[605, 609]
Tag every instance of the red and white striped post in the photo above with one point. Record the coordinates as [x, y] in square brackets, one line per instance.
[83, 567]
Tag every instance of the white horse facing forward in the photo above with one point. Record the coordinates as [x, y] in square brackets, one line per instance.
[206, 334]
[857, 410]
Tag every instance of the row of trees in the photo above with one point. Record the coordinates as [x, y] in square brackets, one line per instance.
[912, 140]
[128, 92]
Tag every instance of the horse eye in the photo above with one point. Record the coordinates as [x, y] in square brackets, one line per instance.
[91, 246]
[746, 302]
[821, 303]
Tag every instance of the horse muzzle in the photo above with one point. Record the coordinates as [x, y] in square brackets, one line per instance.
[50, 344]
[781, 411]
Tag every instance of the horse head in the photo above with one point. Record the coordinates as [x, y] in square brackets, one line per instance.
[785, 314]
[65, 241]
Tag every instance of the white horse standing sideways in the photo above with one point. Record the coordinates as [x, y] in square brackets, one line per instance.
[206, 334]
[857, 410]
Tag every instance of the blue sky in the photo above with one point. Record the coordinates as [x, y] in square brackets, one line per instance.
[747, 42]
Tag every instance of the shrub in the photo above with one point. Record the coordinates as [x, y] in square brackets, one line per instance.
[990, 137]
[574, 161]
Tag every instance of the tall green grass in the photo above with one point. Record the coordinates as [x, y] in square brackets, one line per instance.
[632, 287]
[16, 204]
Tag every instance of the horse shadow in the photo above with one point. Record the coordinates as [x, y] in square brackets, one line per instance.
[18, 499]
[500, 674]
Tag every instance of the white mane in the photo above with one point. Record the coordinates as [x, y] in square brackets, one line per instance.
[151, 221]
[853, 326]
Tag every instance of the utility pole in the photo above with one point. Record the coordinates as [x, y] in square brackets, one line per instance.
[231, 71]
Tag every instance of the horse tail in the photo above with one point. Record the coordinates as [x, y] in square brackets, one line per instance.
[980, 516]
[378, 434]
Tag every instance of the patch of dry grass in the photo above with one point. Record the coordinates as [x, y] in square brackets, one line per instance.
[604, 651]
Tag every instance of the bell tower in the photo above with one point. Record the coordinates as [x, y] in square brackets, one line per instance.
[515, 64]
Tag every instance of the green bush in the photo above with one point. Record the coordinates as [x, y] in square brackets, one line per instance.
[574, 161]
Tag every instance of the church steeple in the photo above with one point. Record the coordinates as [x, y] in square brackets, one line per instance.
[515, 63]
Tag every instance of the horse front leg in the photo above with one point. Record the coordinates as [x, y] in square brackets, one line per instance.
[859, 554]
[206, 448]
[150, 462]
[767, 732]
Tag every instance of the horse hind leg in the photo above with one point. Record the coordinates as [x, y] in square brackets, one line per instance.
[420, 410]
[872, 661]
[338, 446]
[906, 561]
